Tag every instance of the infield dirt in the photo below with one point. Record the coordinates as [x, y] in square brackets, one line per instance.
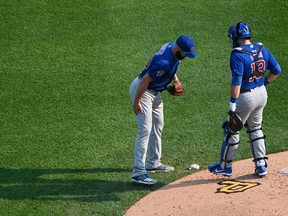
[203, 193]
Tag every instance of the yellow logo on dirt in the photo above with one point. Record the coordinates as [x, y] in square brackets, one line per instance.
[235, 186]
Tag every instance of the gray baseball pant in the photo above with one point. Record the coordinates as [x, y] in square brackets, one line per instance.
[250, 106]
[150, 124]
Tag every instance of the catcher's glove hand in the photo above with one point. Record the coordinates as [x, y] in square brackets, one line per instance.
[175, 89]
[235, 122]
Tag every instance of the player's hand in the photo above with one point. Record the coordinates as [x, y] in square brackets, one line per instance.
[176, 88]
[137, 108]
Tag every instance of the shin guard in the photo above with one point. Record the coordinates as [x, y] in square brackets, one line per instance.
[229, 147]
[258, 145]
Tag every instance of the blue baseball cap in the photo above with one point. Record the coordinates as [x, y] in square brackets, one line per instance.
[186, 44]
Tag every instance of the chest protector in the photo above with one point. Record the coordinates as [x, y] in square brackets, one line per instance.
[255, 55]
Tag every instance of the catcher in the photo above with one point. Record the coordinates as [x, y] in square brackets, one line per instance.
[248, 64]
[145, 93]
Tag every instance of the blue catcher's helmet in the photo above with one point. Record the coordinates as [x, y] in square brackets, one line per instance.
[239, 30]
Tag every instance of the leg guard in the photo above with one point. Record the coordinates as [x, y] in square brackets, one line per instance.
[258, 145]
[229, 146]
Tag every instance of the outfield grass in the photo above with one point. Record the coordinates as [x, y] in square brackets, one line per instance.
[67, 127]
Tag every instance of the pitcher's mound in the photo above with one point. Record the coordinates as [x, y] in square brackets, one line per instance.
[203, 193]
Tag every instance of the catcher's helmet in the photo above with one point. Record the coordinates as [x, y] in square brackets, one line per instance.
[239, 30]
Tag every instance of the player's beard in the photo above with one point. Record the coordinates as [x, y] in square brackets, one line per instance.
[179, 55]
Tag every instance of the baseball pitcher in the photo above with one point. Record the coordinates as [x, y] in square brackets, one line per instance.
[148, 105]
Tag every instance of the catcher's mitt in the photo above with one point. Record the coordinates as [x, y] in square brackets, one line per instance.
[175, 89]
[235, 122]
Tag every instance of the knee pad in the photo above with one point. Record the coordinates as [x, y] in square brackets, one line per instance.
[258, 145]
[229, 146]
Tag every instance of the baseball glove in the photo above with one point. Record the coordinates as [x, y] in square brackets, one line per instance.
[175, 89]
[235, 122]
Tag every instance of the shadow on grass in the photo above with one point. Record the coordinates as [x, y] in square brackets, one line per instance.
[64, 184]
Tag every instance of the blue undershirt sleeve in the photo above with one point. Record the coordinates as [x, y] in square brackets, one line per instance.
[158, 68]
[276, 70]
[273, 65]
[236, 80]
[237, 68]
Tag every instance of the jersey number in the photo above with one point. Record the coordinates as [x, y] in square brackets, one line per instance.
[261, 69]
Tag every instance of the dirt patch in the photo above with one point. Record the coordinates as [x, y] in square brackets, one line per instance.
[203, 193]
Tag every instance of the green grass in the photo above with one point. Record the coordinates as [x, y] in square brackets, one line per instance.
[67, 127]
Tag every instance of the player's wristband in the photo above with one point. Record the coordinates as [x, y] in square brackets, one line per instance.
[232, 107]
[233, 100]
[266, 82]
[233, 103]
